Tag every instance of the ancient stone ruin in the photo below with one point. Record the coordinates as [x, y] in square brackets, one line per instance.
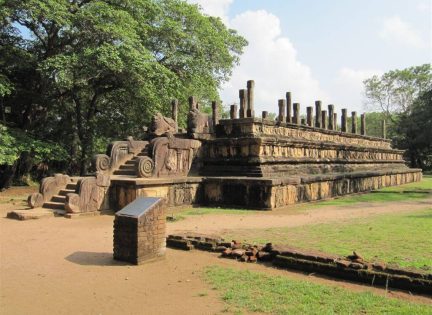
[352, 267]
[243, 161]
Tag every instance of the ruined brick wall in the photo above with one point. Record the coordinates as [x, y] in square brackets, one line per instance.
[139, 231]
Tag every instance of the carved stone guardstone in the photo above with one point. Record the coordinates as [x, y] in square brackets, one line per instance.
[139, 231]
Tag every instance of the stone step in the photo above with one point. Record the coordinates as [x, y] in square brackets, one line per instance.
[125, 172]
[131, 162]
[72, 186]
[64, 192]
[58, 198]
[54, 205]
[127, 166]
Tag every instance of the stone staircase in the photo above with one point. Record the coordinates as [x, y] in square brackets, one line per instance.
[128, 168]
[57, 202]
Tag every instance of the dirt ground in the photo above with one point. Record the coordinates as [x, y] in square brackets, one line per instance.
[64, 266]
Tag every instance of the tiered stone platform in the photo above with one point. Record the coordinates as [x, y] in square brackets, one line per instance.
[256, 163]
[244, 161]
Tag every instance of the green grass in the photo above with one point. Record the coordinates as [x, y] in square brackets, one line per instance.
[204, 211]
[402, 239]
[424, 184]
[257, 292]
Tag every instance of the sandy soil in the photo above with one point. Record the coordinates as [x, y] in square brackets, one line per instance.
[63, 266]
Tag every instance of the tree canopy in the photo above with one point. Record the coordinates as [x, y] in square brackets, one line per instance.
[83, 72]
[404, 99]
[396, 90]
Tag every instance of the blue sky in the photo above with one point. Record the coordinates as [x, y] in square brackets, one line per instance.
[322, 49]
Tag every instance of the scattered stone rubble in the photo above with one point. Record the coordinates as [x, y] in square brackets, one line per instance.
[352, 267]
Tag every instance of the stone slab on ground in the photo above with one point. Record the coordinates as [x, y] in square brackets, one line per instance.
[31, 214]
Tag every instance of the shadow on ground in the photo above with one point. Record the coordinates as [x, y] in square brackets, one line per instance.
[94, 259]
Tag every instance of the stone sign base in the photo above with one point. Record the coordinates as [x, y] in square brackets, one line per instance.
[139, 231]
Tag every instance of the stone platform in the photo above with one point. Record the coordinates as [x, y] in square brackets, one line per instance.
[244, 161]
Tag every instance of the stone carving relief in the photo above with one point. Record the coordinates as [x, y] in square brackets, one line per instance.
[117, 153]
[199, 122]
[49, 187]
[173, 156]
[90, 194]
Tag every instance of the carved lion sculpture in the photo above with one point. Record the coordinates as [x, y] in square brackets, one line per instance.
[161, 125]
[199, 122]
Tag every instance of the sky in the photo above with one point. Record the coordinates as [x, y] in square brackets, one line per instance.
[321, 50]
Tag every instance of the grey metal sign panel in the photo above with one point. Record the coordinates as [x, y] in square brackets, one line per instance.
[138, 207]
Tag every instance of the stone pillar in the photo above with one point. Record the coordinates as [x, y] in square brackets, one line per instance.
[193, 103]
[233, 111]
[363, 124]
[353, 122]
[309, 116]
[174, 112]
[334, 121]
[265, 114]
[282, 109]
[139, 231]
[331, 121]
[324, 119]
[215, 114]
[344, 120]
[296, 118]
[289, 107]
[243, 97]
[250, 98]
[384, 129]
[317, 114]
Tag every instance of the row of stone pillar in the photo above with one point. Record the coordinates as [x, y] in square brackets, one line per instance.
[323, 119]
[288, 112]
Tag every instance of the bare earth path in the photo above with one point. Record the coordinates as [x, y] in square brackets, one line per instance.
[62, 266]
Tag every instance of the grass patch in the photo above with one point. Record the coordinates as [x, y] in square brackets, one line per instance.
[250, 291]
[402, 239]
[204, 211]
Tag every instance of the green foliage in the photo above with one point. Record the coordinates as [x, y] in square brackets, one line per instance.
[258, 292]
[100, 69]
[414, 132]
[395, 91]
[13, 142]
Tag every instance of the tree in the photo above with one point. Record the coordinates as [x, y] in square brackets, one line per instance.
[415, 132]
[20, 152]
[94, 70]
[395, 91]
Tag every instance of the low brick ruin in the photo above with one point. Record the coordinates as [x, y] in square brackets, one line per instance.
[139, 231]
[243, 161]
[352, 267]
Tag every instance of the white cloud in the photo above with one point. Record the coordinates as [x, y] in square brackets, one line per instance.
[424, 6]
[271, 60]
[348, 85]
[397, 31]
[217, 8]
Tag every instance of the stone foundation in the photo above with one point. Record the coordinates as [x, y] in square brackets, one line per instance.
[260, 193]
[175, 191]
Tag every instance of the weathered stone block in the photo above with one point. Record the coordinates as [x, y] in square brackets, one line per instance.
[139, 231]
